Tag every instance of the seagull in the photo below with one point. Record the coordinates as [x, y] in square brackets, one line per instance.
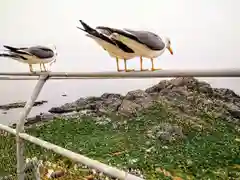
[115, 48]
[144, 43]
[32, 55]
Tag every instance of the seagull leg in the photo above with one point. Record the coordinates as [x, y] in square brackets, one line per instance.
[125, 66]
[30, 68]
[141, 64]
[44, 67]
[118, 69]
[154, 69]
[41, 67]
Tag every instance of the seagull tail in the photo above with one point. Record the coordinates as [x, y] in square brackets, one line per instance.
[93, 33]
[87, 28]
[8, 55]
[14, 56]
[11, 48]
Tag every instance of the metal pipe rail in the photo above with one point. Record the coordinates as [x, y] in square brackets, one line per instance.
[135, 74]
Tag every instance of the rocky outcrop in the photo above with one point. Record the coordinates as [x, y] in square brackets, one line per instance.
[184, 93]
[20, 105]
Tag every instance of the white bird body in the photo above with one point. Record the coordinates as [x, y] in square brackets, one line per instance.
[34, 60]
[140, 49]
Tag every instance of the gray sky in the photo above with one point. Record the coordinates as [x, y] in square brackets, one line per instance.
[204, 34]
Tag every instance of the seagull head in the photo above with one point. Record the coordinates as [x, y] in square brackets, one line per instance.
[168, 44]
[54, 49]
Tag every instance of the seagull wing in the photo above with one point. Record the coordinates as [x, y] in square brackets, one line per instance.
[108, 31]
[40, 52]
[152, 40]
[17, 50]
[105, 30]
[13, 55]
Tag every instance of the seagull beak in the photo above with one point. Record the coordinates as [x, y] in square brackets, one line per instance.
[170, 50]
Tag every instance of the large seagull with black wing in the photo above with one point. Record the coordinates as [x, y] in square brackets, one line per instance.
[143, 43]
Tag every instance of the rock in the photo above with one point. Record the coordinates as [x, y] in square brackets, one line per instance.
[158, 87]
[36, 119]
[128, 108]
[140, 97]
[62, 109]
[20, 105]
[175, 94]
[225, 94]
[110, 103]
[106, 103]
[234, 111]
[111, 96]
[168, 132]
[133, 95]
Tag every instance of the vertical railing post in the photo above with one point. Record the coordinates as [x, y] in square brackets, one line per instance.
[20, 125]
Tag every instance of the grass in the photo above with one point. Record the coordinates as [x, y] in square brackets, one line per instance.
[209, 154]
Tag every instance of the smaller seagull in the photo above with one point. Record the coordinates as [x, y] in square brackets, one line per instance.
[32, 55]
[115, 48]
[144, 43]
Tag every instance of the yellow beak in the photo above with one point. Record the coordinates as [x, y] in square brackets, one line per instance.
[170, 50]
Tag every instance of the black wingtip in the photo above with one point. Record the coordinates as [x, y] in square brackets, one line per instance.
[81, 21]
[10, 48]
[93, 32]
[86, 26]
[12, 56]
[7, 55]
[6, 46]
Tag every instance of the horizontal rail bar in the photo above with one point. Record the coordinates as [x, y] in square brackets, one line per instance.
[60, 78]
[111, 171]
[18, 78]
[137, 74]
[14, 78]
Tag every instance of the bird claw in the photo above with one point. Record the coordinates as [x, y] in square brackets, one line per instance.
[155, 69]
[129, 70]
[45, 71]
[144, 69]
[33, 72]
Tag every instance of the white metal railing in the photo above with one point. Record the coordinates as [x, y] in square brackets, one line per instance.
[43, 77]
[136, 74]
